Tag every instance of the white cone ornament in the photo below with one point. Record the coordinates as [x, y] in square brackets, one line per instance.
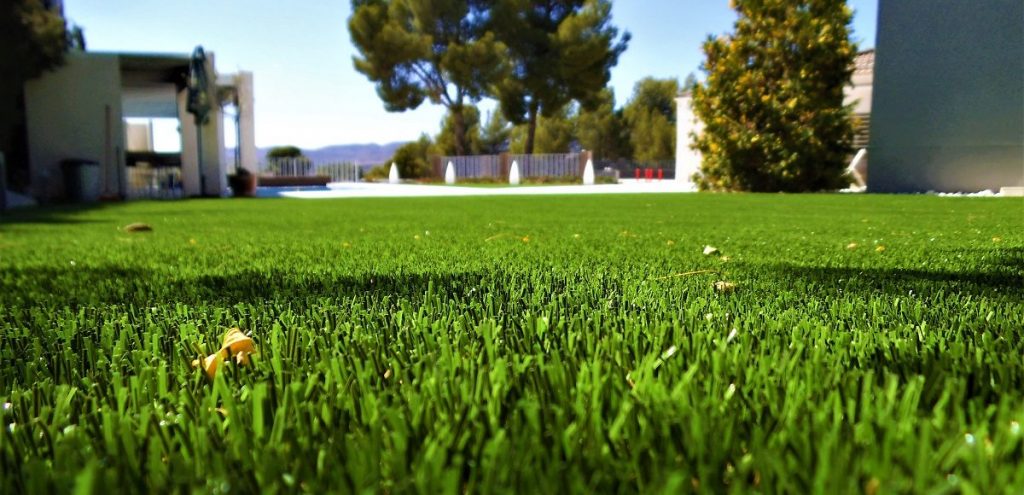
[393, 177]
[588, 174]
[513, 173]
[449, 174]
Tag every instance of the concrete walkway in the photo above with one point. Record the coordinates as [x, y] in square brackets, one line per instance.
[378, 190]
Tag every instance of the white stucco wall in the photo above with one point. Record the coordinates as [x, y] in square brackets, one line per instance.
[948, 110]
[687, 159]
[74, 112]
[246, 121]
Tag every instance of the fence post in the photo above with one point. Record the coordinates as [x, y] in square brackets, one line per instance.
[504, 164]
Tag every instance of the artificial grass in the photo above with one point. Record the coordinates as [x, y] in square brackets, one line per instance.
[530, 344]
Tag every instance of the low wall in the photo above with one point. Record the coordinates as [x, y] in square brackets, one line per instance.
[293, 181]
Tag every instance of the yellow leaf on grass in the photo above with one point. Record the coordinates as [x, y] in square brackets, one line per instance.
[236, 345]
[724, 286]
[137, 227]
[852, 245]
[880, 249]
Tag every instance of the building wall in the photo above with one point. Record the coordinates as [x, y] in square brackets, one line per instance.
[74, 112]
[948, 109]
[687, 160]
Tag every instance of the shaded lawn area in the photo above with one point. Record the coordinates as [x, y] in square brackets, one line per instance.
[536, 344]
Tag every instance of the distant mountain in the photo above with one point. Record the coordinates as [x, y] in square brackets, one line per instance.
[366, 155]
[360, 154]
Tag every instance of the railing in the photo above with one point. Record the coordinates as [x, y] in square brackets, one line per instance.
[498, 166]
[154, 182]
[304, 167]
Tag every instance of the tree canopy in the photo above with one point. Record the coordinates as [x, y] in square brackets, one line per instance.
[445, 143]
[284, 152]
[558, 51]
[413, 158]
[651, 117]
[553, 134]
[33, 39]
[602, 130]
[436, 50]
[494, 137]
[772, 102]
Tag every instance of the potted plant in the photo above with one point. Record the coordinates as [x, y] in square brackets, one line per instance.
[242, 183]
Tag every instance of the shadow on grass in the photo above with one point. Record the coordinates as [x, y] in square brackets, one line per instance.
[1006, 279]
[77, 286]
[49, 214]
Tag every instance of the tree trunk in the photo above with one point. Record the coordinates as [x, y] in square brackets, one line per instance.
[459, 120]
[531, 130]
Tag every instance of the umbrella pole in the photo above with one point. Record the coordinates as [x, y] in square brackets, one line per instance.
[199, 156]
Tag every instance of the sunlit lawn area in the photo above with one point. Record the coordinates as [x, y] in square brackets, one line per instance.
[857, 344]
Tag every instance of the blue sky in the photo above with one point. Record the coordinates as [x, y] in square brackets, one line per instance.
[307, 92]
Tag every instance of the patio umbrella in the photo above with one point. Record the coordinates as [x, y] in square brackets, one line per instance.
[198, 103]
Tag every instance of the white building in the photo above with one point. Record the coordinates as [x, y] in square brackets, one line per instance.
[948, 110]
[99, 107]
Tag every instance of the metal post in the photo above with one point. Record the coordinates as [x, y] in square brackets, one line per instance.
[3, 183]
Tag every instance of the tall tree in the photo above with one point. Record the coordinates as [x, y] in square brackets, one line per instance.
[558, 51]
[33, 39]
[651, 118]
[446, 141]
[602, 129]
[772, 102]
[415, 50]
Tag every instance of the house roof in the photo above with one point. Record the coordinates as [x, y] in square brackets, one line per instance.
[864, 62]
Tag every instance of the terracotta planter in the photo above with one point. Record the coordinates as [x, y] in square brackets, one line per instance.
[243, 185]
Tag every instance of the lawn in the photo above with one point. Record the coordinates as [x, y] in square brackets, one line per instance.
[867, 344]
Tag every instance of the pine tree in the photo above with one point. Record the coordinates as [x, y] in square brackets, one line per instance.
[494, 137]
[558, 51]
[772, 102]
[602, 130]
[651, 118]
[417, 50]
[552, 134]
[446, 141]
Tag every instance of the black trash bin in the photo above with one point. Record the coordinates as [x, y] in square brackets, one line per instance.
[81, 180]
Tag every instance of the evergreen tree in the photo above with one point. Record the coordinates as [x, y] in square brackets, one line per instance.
[602, 130]
[284, 152]
[553, 134]
[651, 118]
[415, 50]
[33, 39]
[772, 103]
[446, 141]
[558, 51]
[494, 138]
[413, 158]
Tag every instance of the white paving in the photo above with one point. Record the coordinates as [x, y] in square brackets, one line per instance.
[381, 190]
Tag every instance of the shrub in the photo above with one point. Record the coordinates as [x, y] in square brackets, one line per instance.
[772, 103]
